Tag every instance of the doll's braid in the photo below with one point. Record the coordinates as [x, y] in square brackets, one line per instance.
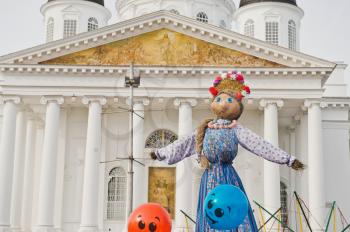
[200, 135]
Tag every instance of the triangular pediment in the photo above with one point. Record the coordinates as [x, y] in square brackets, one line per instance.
[162, 47]
[70, 9]
[163, 38]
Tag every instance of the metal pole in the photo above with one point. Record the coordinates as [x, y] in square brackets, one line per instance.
[277, 219]
[346, 228]
[302, 210]
[273, 215]
[330, 215]
[131, 157]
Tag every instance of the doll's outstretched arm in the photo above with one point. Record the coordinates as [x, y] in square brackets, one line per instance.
[259, 146]
[177, 151]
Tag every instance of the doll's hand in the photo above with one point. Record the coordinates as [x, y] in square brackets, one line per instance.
[153, 155]
[298, 165]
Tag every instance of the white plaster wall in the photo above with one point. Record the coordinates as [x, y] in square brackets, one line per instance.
[337, 158]
[37, 165]
[336, 85]
[216, 10]
[76, 10]
[270, 11]
[74, 168]
[1, 118]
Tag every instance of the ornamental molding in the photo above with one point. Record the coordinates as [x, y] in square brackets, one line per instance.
[162, 70]
[178, 23]
[191, 101]
[310, 103]
[265, 102]
[46, 99]
[328, 103]
[143, 101]
[6, 98]
[86, 100]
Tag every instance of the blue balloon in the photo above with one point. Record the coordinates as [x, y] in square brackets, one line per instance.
[225, 207]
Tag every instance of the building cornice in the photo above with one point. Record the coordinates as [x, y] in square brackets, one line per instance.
[161, 70]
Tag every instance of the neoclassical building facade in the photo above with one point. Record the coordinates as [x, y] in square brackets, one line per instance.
[64, 115]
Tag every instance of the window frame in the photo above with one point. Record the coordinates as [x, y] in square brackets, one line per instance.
[70, 27]
[50, 27]
[203, 17]
[292, 35]
[92, 24]
[249, 28]
[272, 32]
[119, 194]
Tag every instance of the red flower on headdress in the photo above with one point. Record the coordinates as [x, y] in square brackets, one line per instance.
[217, 81]
[213, 91]
[240, 78]
[247, 89]
[239, 96]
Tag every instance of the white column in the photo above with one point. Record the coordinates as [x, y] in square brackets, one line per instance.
[317, 199]
[27, 196]
[184, 170]
[272, 199]
[292, 151]
[7, 159]
[18, 174]
[140, 183]
[89, 212]
[46, 204]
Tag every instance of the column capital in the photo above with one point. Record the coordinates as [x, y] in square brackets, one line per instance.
[46, 99]
[309, 103]
[86, 100]
[265, 102]
[144, 101]
[178, 101]
[6, 98]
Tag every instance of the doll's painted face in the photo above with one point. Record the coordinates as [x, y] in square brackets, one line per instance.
[226, 107]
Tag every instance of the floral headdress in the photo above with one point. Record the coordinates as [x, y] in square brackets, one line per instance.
[232, 82]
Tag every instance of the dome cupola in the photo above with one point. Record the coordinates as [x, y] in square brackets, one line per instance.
[216, 12]
[274, 21]
[65, 18]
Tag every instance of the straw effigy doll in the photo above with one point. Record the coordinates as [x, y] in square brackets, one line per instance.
[216, 144]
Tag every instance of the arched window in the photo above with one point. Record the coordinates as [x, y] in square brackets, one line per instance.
[272, 32]
[284, 203]
[160, 138]
[49, 29]
[222, 23]
[292, 35]
[202, 17]
[69, 28]
[116, 201]
[175, 11]
[249, 28]
[92, 24]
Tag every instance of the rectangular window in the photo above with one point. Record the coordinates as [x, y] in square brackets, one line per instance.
[70, 28]
[272, 32]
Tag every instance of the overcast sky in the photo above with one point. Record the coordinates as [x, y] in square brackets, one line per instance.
[325, 30]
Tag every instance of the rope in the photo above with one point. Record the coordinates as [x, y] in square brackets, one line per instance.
[334, 221]
[312, 216]
[262, 218]
[300, 217]
[187, 226]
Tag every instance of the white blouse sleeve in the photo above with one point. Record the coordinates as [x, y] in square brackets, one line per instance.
[260, 147]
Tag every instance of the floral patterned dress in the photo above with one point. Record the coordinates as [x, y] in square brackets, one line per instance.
[220, 147]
